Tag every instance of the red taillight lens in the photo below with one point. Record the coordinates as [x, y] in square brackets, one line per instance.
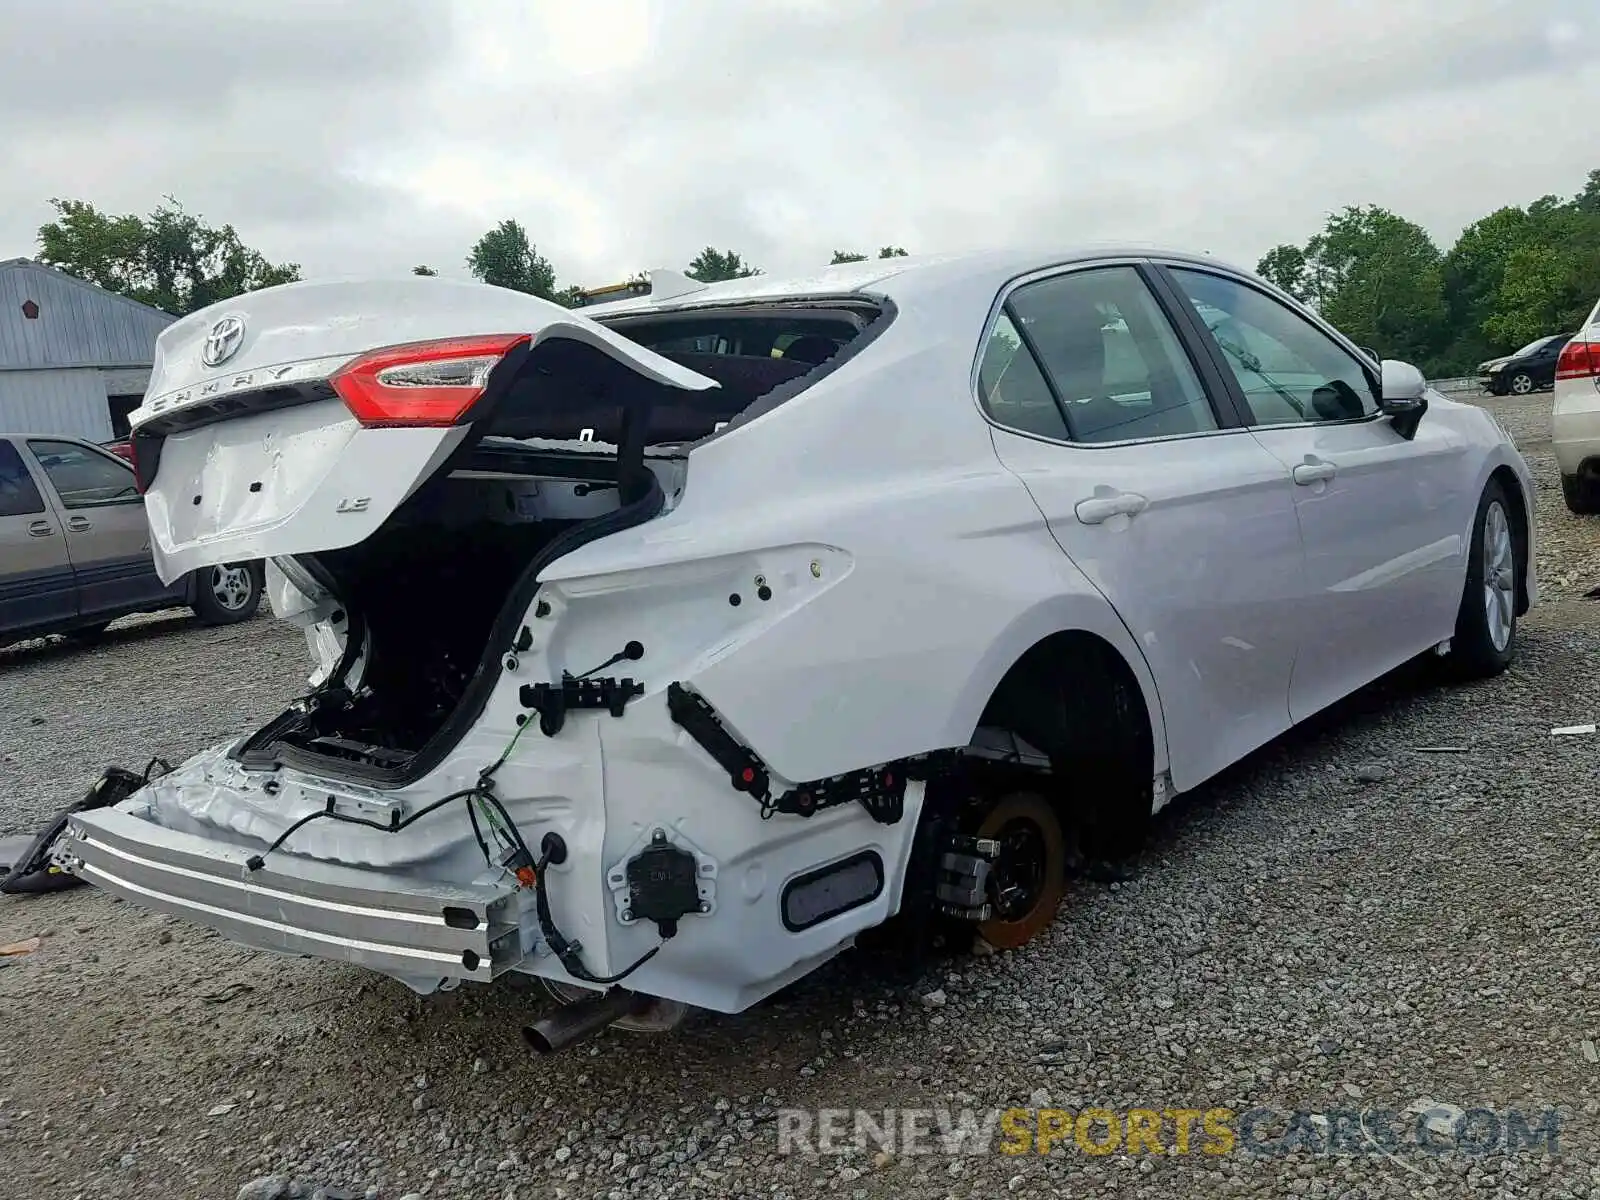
[424, 383]
[139, 480]
[1579, 360]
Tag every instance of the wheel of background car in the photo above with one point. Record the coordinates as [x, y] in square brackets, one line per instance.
[1029, 876]
[228, 593]
[1522, 383]
[1485, 640]
[1581, 495]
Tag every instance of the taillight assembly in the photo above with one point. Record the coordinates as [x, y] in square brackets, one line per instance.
[1579, 360]
[422, 383]
[144, 455]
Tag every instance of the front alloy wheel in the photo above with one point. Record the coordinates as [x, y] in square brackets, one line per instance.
[1485, 636]
[1521, 383]
[1499, 576]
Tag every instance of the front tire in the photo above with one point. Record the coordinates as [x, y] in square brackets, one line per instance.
[228, 594]
[1485, 640]
[1581, 495]
[1521, 384]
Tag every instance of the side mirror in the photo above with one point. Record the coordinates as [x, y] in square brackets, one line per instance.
[1403, 396]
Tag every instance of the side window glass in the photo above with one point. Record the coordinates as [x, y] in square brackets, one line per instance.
[83, 477]
[1013, 390]
[19, 497]
[1289, 370]
[1116, 363]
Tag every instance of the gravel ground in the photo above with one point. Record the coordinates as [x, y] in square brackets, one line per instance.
[1342, 922]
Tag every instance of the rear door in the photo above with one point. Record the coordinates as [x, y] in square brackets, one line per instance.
[1382, 517]
[297, 418]
[1180, 518]
[36, 585]
[1543, 368]
[108, 538]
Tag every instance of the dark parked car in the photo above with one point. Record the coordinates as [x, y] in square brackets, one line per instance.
[75, 547]
[1530, 369]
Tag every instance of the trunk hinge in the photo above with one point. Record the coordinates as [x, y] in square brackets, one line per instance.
[879, 790]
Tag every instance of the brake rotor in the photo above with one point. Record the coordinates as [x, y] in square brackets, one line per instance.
[658, 1016]
[1028, 877]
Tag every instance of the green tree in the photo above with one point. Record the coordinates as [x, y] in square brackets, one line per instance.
[423, 270]
[1376, 277]
[1510, 277]
[1588, 200]
[712, 265]
[1551, 280]
[504, 257]
[171, 259]
[850, 256]
[1471, 276]
[1285, 267]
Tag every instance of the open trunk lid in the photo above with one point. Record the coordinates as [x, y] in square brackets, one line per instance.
[298, 418]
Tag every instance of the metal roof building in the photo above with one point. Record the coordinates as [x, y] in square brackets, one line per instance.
[74, 358]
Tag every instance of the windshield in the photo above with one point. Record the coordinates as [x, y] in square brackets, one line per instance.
[1531, 347]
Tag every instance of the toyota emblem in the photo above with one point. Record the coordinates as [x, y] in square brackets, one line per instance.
[223, 342]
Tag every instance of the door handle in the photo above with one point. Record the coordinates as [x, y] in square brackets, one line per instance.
[1314, 471]
[41, 529]
[1103, 507]
[79, 524]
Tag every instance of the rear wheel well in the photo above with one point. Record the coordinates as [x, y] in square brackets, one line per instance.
[1512, 487]
[1088, 753]
[1073, 697]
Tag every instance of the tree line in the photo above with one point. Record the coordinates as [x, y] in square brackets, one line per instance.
[1517, 274]
[178, 262]
[1511, 276]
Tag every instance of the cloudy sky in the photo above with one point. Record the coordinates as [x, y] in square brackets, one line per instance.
[365, 136]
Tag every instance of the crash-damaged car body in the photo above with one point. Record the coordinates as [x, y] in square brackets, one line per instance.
[681, 640]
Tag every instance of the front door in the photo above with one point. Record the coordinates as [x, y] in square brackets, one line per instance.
[108, 536]
[1186, 525]
[1379, 515]
[36, 587]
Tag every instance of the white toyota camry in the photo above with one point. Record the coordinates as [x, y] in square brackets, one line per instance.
[673, 643]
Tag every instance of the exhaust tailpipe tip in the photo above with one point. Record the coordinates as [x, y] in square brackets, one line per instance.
[573, 1023]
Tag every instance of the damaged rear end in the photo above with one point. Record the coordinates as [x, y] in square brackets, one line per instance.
[457, 794]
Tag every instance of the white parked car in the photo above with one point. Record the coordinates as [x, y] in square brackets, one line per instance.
[680, 641]
[1575, 417]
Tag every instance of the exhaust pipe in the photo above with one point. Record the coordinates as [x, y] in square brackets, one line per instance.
[573, 1022]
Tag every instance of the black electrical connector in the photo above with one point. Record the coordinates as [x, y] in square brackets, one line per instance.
[553, 849]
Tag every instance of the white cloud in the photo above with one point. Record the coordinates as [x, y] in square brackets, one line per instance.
[370, 135]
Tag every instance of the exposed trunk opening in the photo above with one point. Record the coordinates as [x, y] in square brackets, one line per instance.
[433, 597]
[568, 444]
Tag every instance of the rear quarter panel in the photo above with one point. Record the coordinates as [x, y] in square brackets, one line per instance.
[940, 570]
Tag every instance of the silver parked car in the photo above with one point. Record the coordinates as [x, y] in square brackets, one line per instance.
[75, 547]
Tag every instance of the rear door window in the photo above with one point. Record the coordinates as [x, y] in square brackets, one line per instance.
[83, 477]
[19, 495]
[1013, 389]
[1110, 356]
